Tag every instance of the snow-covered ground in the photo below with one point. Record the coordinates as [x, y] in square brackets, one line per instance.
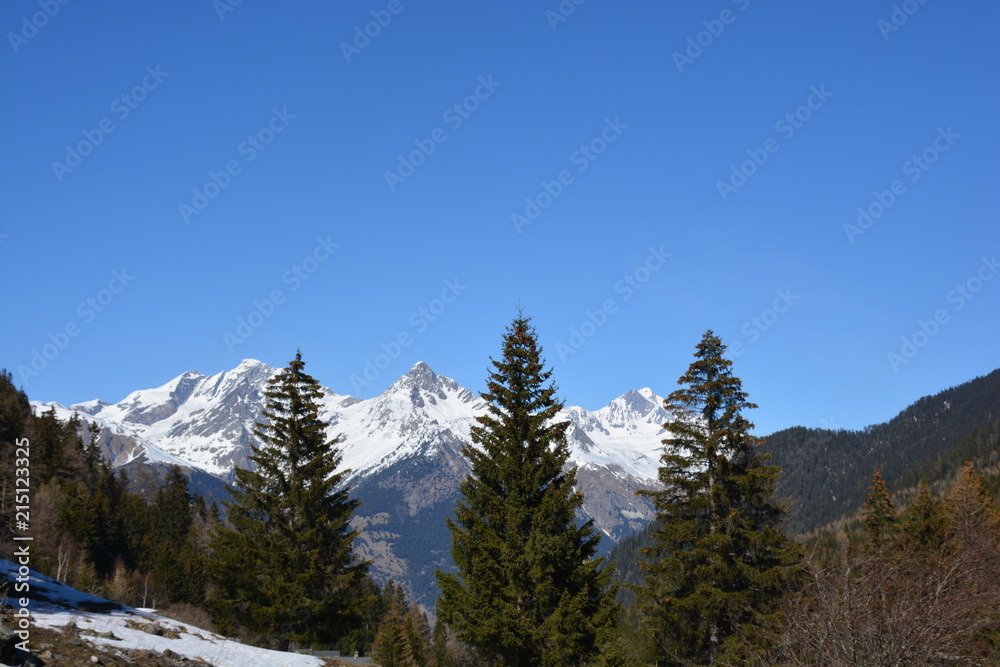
[58, 605]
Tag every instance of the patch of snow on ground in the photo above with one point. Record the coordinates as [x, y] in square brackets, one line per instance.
[123, 629]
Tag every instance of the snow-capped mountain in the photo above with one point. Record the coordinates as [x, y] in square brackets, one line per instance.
[403, 448]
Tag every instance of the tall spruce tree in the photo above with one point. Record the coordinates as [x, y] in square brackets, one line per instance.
[528, 590]
[284, 567]
[718, 559]
[880, 517]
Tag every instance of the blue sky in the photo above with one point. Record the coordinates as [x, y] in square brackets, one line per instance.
[631, 173]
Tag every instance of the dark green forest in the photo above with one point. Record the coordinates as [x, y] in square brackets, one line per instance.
[825, 473]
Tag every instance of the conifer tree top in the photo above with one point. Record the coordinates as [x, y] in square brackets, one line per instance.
[517, 383]
[712, 385]
[879, 514]
[711, 391]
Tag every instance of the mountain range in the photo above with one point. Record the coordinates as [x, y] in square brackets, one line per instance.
[403, 449]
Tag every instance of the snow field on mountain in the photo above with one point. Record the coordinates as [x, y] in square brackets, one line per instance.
[206, 422]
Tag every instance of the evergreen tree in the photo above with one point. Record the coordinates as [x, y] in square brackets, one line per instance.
[389, 648]
[439, 649]
[50, 444]
[718, 559]
[177, 565]
[879, 514]
[528, 590]
[92, 452]
[16, 417]
[371, 610]
[418, 635]
[973, 515]
[403, 638]
[171, 510]
[284, 568]
[925, 523]
[16, 421]
[93, 517]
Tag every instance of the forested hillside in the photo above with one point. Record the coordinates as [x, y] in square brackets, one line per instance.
[826, 473]
[91, 527]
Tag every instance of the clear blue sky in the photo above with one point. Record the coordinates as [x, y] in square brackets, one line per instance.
[631, 126]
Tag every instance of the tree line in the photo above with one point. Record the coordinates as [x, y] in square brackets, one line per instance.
[89, 529]
[526, 587]
[718, 581]
[825, 471]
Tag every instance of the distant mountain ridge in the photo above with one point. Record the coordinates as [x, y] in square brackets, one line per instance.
[826, 473]
[403, 449]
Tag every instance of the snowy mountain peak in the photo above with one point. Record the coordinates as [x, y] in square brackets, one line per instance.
[420, 382]
[642, 401]
[632, 407]
[249, 370]
[421, 373]
[249, 377]
[251, 366]
[647, 393]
